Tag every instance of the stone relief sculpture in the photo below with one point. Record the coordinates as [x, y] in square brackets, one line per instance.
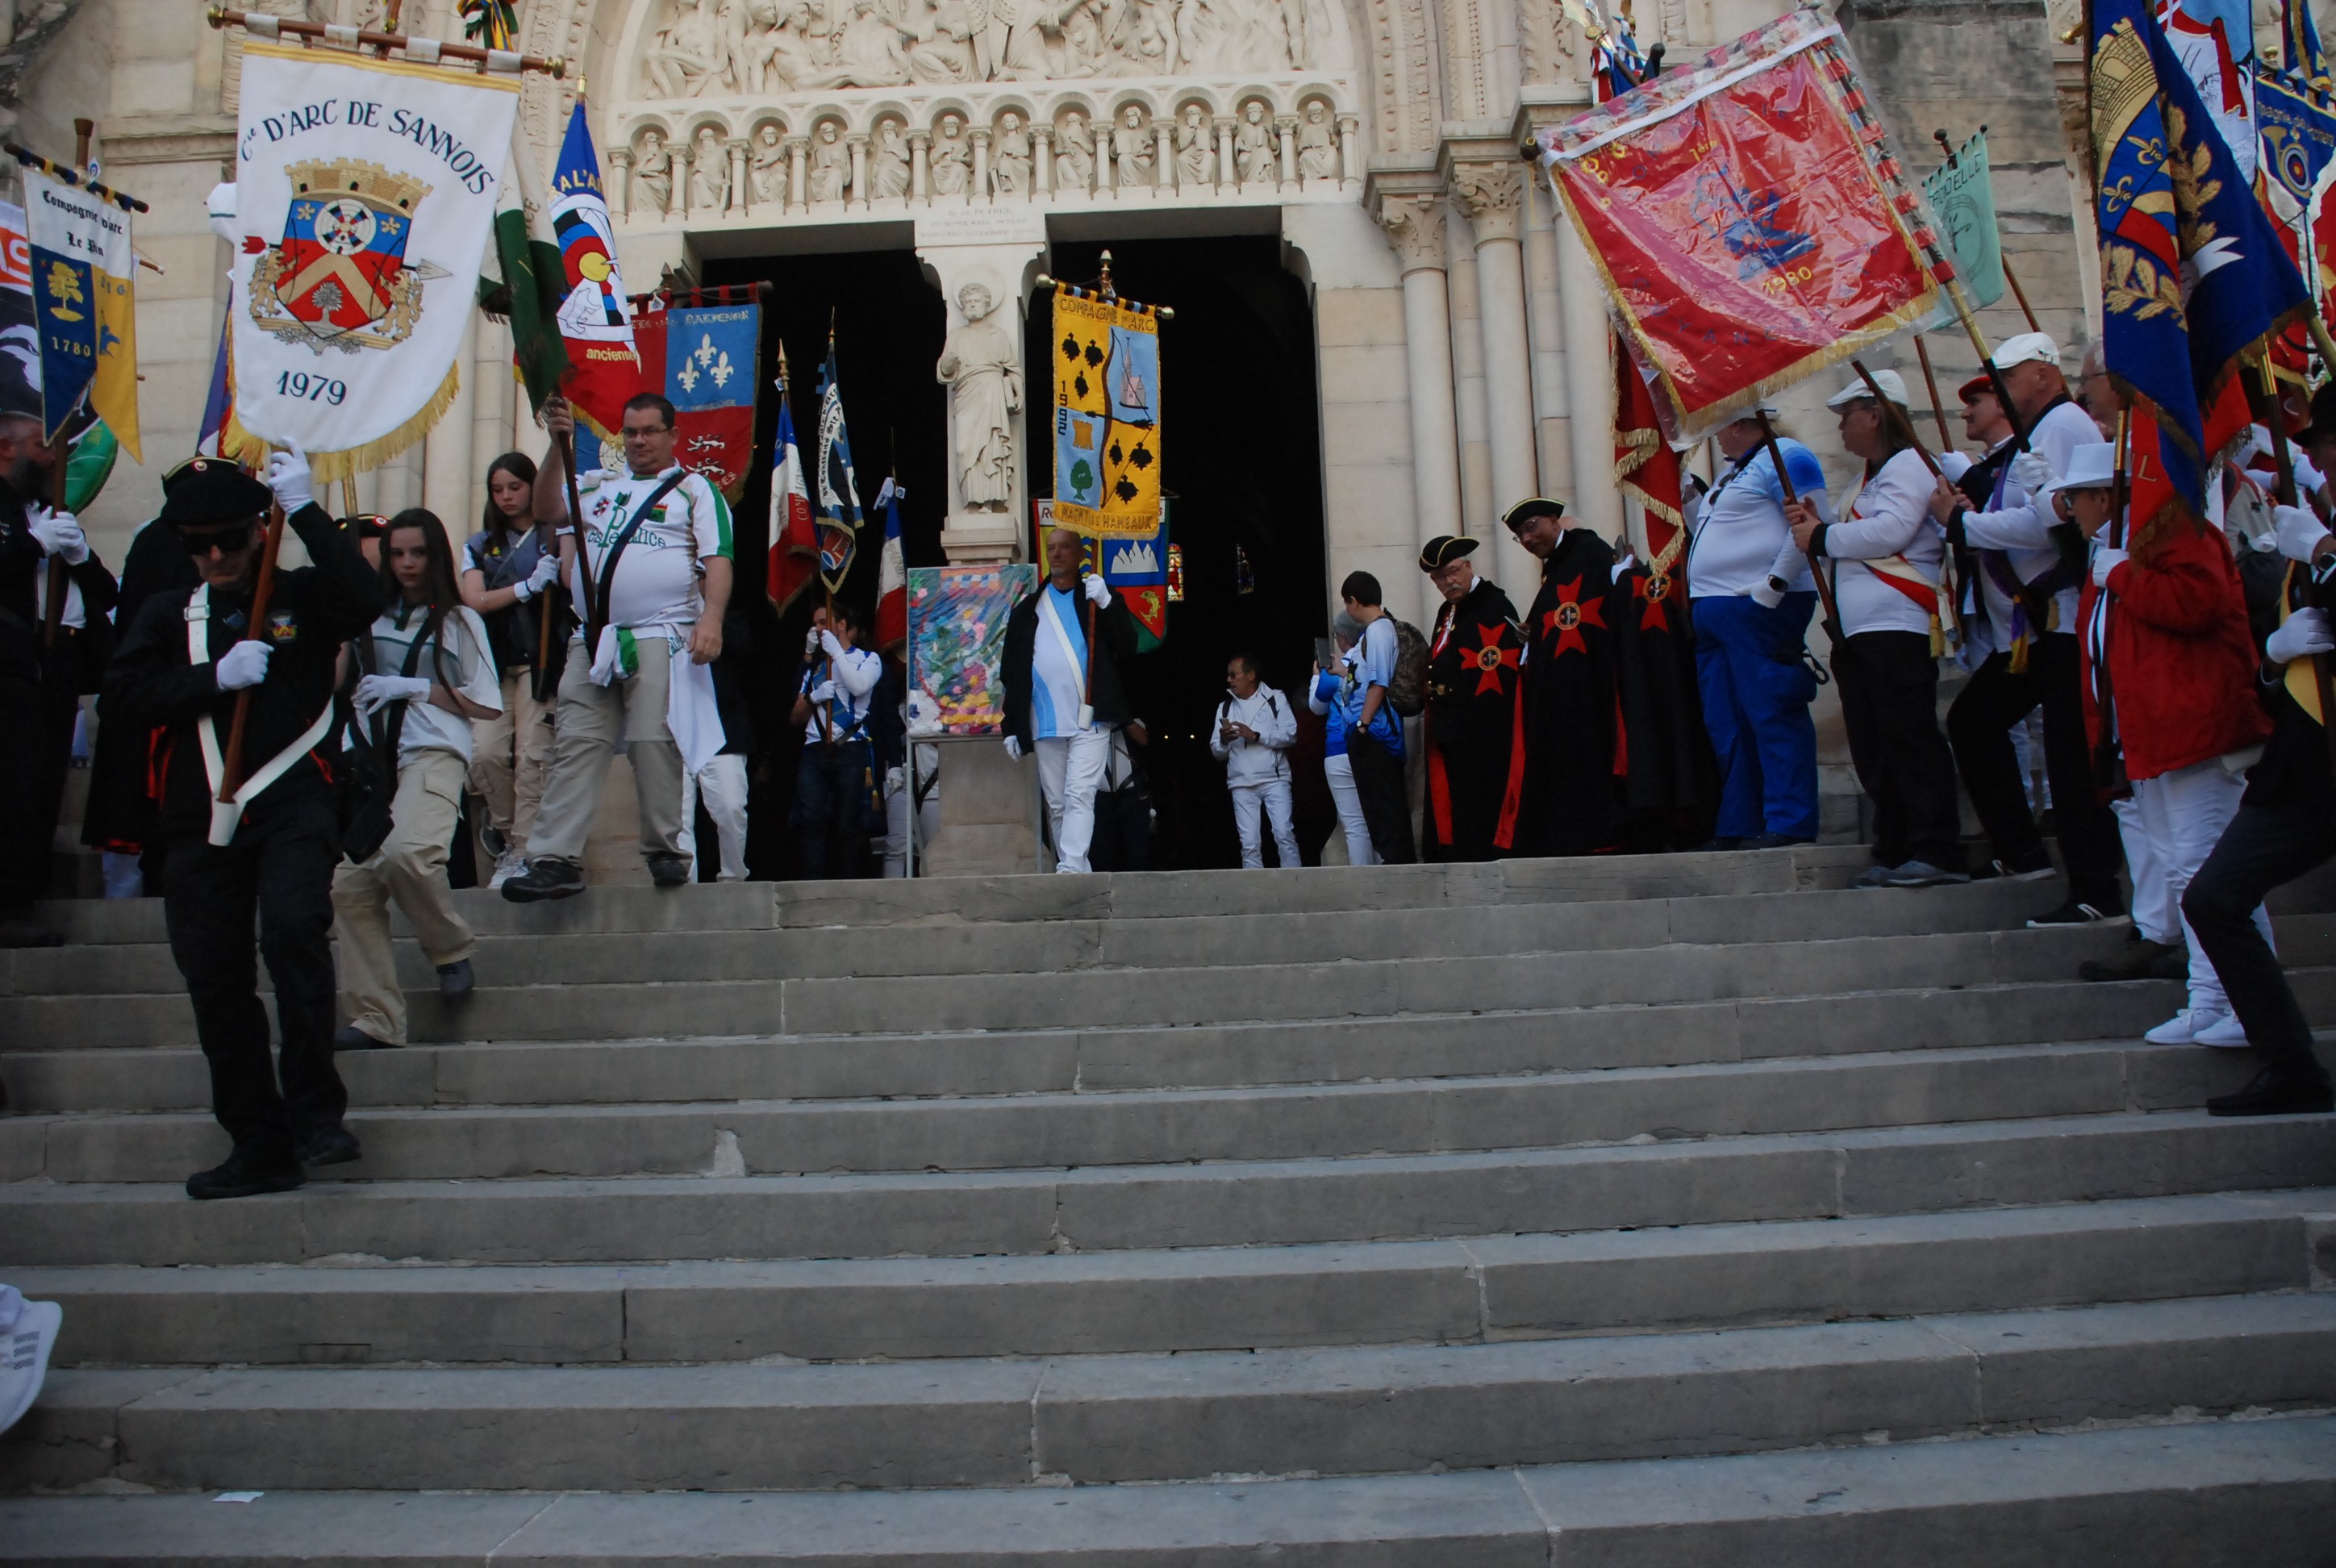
[1131, 148]
[868, 51]
[950, 169]
[1318, 143]
[709, 172]
[944, 50]
[831, 164]
[1009, 160]
[981, 367]
[782, 55]
[1075, 154]
[689, 54]
[1196, 153]
[653, 173]
[1253, 149]
[766, 167]
[1141, 37]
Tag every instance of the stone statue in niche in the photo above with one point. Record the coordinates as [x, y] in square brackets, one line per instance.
[888, 161]
[950, 168]
[1009, 159]
[1075, 154]
[1318, 143]
[1131, 148]
[689, 54]
[1254, 150]
[709, 172]
[830, 171]
[1196, 153]
[981, 367]
[868, 51]
[766, 168]
[944, 50]
[653, 173]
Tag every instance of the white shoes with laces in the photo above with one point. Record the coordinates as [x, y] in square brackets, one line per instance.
[2225, 1034]
[2198, 1026]
[508, 865]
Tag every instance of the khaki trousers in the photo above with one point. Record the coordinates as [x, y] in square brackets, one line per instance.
[509, 756]
[410, 867]
[592, 719]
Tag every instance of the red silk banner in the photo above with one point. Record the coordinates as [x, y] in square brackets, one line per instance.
[1649, 472]
[1748, 220]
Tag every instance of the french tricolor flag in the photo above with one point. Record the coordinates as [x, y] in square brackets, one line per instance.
[794, 543]
[892, 576]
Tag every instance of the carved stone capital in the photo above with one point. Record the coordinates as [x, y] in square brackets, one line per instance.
[918, 140]
[980, 136]
[1414, 227]
[1491, 195]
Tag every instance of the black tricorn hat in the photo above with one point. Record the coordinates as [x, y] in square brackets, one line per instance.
[209, 492]
[1444, 550]
[1537, 506]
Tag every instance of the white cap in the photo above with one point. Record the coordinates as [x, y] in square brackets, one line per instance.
[2027, 346]
[1756, 410]
[2090, 467]
[1893, 385]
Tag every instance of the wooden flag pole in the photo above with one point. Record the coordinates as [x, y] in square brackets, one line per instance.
[1937, 409]
[53, 614]
[2285, 459]
[1817, 569]
[259, 25]
[231, 773]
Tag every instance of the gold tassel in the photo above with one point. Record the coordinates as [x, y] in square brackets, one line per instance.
[2019, 664]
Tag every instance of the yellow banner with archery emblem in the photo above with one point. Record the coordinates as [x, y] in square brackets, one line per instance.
[1106, 371]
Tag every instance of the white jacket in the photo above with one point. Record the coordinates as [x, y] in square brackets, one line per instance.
[1247, 762]
[1890, 517]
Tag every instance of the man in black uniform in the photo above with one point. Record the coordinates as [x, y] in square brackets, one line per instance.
[28, 530]
[1567, 802]
[1475, 660]
[180, 670]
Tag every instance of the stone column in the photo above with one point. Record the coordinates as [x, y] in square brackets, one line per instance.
[980, 136]
[448, 482]
[684, 180]
[1542, 314]
[1490, 194]
[921, 190]
[738, 177]
[1228, 176]
[1415, 224]
[858, 196]
[1589, 386]
[621, 161]
[492, 414]
[1351, 155]
[1164, 155]
[1042, 162]
[798, 182]
[1287, 126]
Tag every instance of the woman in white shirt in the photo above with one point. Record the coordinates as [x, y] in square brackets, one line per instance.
[1883, 559]
[425, 672]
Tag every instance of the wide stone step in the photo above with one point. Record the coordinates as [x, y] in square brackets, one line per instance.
[1451, 1292]
[1115, 1418]
[1795, 1176]
[940, 1003]
[2229, 1493]
[1898, 1088]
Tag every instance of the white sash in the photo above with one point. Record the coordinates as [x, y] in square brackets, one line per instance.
[228, 814]
[1070, 654]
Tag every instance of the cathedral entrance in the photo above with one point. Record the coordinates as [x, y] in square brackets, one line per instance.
[1242, 454]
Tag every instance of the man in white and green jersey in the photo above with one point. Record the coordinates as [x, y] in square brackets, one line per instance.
[668, 531]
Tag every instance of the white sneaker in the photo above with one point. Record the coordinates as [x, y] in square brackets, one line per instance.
[2183, 1027]
[2225, 1034]
[508, 865]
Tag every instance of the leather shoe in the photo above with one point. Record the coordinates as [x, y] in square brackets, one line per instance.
[2272, 1096]
[242, 1175]
[545, 878]
[333, 1145]
[2138, 960]
[669, 871]
[455, 980]
[349, 1037]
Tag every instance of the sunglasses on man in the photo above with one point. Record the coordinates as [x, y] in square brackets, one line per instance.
[225, 540]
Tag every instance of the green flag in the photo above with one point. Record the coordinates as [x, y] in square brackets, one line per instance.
[533, 278]
[1964, 200]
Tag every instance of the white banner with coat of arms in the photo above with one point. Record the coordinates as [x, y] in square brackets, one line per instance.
[365, 191]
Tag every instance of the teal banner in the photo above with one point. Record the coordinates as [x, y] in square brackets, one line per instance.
[1964, 200]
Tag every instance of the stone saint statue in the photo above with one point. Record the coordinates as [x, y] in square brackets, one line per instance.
[1253, 152]
[1009, 160]
[831, 164]
[653, 174]
[709, 172]
[1131, 148]
[1318, 143]
[766, 168]
[1196, 155]
[1075, 155]
[979, 366]
[951, 166]
[689, 54]
[888, 161]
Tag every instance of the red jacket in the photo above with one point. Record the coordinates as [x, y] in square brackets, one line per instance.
[2182, 663]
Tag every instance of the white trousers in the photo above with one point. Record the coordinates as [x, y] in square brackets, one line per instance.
[1070, 769]
[1340, 774]
[723, 787]
[2153, 916]
[896, 827]
[1271, 797]
[2184, 813]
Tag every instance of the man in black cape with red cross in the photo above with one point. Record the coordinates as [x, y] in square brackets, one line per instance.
[1475, 660]
[1565, 804]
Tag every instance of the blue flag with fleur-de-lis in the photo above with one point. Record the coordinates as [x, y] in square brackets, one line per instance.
[711, 352]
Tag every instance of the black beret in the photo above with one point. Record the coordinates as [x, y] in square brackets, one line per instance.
[210, 492]
[1443, 550]
[1538, 506]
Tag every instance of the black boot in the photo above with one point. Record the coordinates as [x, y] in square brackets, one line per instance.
[335, 1146]
[545, 878]
[244, 1174]
[2273, 1095]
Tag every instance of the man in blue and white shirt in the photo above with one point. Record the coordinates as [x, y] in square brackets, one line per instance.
[1063, 701]
[835, 781]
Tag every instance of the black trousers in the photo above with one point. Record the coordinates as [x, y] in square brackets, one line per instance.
[831, 814]
[1979, 724]
[1889, 705]
[2263, 847]
[1387, 804]
[279, 869]
[24, 834]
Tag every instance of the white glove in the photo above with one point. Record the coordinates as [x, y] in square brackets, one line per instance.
[830, 645]
[287, 475]
[894, 778]
[376, 692]
[2303, 633]
[1098, 592]
[2107, 558]
[223, 214]
[546, 573]
[2300, 532]
[823, 692]
[1766, 594]
[59, 533]
[245, 663]
[1014, 749]
[2030, 472]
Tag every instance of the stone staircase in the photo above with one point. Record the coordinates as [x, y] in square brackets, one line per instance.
[1686, 1210]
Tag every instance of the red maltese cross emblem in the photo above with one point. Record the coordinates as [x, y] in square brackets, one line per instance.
[1571, 613]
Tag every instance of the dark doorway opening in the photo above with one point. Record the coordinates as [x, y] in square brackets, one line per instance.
[1243, 464]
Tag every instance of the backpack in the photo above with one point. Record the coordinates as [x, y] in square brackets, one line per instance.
[1407, 689]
